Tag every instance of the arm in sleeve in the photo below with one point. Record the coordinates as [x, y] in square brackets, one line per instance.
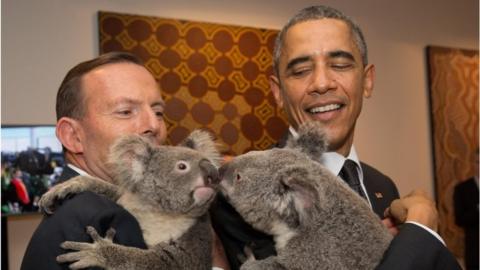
[415, 248]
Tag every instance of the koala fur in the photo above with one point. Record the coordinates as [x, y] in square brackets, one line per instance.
[316, 220]
[168, 189]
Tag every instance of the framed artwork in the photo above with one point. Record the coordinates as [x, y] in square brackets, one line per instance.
[212, 76]
[453, 88]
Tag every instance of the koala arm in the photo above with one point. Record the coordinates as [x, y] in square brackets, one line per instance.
[191, 251]
[108, 255]
[270, 263]
[74, 186]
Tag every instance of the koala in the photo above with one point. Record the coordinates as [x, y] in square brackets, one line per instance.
[316, 220]
[168, 189]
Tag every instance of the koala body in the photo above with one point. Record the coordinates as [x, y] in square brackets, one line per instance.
[316, 220]
[168, 189]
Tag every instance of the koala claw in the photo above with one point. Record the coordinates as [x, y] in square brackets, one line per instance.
[47, 203]
[97, 238]
[86, 254]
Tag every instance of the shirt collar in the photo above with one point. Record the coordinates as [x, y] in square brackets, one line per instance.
[78, 170]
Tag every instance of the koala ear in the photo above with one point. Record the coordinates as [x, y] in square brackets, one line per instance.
[300, 188]
[202, 141]
[127, 158]
[311, 140]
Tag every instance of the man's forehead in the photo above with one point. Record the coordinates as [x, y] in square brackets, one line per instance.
[318, 37]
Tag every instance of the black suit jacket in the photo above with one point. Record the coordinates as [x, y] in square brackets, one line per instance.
[465, 198]
[69, 222]
[413, 248]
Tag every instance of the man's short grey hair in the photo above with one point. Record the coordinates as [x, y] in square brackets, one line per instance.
[316, 13]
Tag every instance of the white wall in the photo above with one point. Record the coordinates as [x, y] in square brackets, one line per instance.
[42, 39]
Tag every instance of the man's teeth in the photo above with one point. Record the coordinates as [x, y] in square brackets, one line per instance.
[326, 108]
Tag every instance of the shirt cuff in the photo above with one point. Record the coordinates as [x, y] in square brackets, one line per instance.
[216, 268]
[432, 232]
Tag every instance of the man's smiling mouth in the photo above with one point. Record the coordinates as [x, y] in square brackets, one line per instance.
[326, 108]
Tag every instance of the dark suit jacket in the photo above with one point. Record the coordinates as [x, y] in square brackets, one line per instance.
[413, 248]
[69, 222]
[465, 198]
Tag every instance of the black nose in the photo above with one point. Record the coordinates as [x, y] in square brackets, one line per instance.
[223, 171]
[209, 171]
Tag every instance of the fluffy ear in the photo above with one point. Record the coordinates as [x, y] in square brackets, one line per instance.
[203, 142]
[298, 186]
[127, 157]
[311, 140]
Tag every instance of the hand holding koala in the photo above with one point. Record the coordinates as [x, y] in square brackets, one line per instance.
[316, 220]
[168, 189]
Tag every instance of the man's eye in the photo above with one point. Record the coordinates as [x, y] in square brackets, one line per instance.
[159, 114]
[345, 66]
[124, 113]
[298, 72]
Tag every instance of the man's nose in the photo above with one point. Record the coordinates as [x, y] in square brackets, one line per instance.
[150, 123]
[322, 81]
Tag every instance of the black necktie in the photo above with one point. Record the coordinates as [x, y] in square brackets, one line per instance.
[349, 174]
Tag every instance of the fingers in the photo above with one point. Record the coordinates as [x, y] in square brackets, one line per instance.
[81, 260]
[76, 245]
[45, 206]
[110, 234]
[390, 225]
[93, 233]
[415, 207]
[398, 211]
[71, 257]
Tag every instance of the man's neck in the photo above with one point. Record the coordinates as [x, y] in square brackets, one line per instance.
[78, 164]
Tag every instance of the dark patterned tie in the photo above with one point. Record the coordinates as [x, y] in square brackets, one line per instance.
[349, 174]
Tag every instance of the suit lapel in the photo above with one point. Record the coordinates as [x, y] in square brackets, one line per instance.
[67, 173]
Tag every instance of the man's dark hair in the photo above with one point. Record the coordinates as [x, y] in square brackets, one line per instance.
[316, 13]
[70, 99]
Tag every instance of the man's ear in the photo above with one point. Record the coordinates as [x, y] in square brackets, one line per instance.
[69, 132]
[368, 80]
[276, 90]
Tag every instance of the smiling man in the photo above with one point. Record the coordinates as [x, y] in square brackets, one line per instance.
[322, 74]
[98, 101]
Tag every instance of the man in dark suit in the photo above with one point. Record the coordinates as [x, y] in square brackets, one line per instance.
[322, 74]
[465, 199]
[98, 101]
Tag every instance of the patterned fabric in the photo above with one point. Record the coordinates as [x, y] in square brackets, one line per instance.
[212, 76]
[454, 106]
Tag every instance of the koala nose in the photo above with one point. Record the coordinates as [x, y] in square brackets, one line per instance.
[222, 171]
[209, 171]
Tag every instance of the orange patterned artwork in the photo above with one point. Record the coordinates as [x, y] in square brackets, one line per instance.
[212, 76]
[453, 77]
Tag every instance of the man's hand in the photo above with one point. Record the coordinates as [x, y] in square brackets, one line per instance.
[219, 259]
[390, 224]
[415, 207]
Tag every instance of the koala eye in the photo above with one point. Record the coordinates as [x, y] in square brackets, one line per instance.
[238, 177]
[182, 166]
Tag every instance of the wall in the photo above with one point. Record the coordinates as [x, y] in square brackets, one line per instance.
[41, 40]
[20, 230]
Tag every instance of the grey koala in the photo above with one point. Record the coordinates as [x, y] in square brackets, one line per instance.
[168, 189]
[316, 220]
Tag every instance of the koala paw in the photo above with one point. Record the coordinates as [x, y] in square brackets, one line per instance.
[49, 199]
[87, 254]
[59, 192]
